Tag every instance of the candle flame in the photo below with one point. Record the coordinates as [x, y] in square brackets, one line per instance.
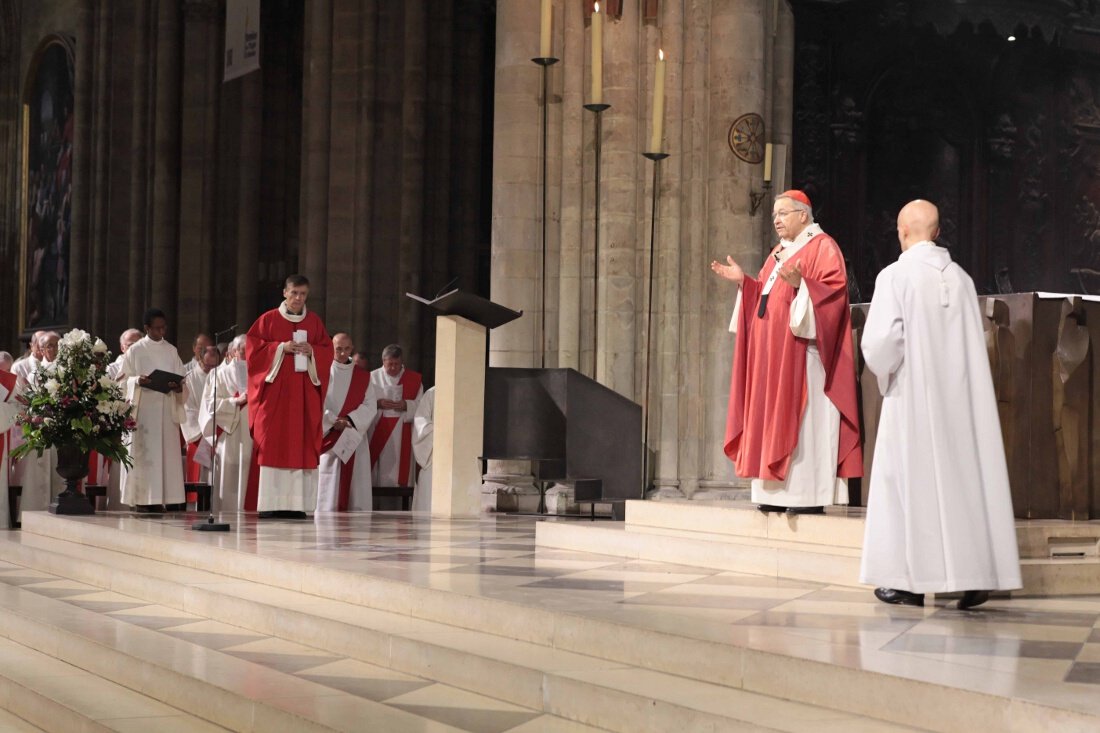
[661, 54]
[596, 7]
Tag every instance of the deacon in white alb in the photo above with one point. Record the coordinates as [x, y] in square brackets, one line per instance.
[423, 439]
[199, 444]
[226, 401]
[350, 407]
[156, 478]
[939, 513]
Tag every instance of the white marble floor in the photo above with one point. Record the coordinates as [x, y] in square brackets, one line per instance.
[1043, 651]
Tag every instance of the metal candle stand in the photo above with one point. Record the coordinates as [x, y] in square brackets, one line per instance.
[598, 110]
[656, 158]
[545, 62]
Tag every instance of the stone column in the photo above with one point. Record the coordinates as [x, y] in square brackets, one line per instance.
[736, 82]
[366, 68]
[139, 151]
[249, 207]
[516, 227]
[198, 160]
[82, 193]
[166, 183]
[673, 230]
[315, 149]
[98, 286]
[414, 127]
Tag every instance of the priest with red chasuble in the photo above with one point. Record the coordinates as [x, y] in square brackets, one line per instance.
[289, 354]
[793, 422]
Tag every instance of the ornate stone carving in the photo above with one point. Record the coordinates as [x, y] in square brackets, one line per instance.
[1002, 137]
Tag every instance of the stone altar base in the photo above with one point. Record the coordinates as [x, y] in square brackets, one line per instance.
[401, 622]
[1057, 558]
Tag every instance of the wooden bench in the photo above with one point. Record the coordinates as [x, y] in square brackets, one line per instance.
[404, 492]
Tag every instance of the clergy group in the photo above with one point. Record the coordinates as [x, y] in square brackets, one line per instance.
[286, 422]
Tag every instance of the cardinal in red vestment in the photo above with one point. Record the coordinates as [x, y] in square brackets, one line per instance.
[793, 421]
[289, 354]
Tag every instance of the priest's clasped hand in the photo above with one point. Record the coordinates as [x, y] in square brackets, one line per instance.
[731, 271]
[398, 405]
[791, 274]
[297, 347]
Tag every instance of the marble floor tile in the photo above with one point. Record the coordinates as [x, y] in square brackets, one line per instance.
[461, 709]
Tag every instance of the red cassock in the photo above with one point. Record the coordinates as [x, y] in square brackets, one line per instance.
[768, 381]
[285, 415]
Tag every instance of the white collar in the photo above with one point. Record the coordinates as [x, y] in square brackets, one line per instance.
[343, 367]
[804, 236]
[290, 316]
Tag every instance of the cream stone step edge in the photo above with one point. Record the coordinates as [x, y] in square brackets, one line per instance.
[871, 689]
[716, 552]
[31, 702]
[463, 658]
[839, 527]
[162, 667]
[742, 519]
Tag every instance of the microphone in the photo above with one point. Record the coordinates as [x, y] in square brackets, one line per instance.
[443, 289]
[230, 329]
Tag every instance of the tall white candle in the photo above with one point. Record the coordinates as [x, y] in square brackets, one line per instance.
[658, 104]
[597, 56]
[545, 29]
[767, 163]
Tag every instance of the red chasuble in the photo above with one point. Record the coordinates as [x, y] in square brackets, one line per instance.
[357, 390]
[9, 381]
[768, 382]
[285, 415]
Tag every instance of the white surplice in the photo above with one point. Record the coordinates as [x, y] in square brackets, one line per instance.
[811, 476]
[422, 441]
[157, 474]
[331, 467]
[233, 455]
[37, 474]
[939, 514]
[195, 387]
[9, 409]
[387, 470]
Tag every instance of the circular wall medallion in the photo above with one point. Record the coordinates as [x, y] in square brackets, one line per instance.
[746, 138]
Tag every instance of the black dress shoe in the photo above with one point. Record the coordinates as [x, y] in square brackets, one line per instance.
[899, 597]
[175, 507]
[771, 508]
[267, 515]
[805, 510]
[288, 514]
[145, 508]
[973, 598]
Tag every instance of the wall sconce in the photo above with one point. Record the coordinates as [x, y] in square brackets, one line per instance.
[755, 199]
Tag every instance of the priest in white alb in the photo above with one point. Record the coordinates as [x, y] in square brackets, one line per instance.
[156, 477]
[350, 407]
[37, 474]
[423, 439]
[400, 389]
[224, 415]
[200, 450]
[939, 512]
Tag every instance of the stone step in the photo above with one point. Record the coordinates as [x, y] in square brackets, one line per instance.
[39, 692]
[825, 548]
[866, 682]
[568, 685]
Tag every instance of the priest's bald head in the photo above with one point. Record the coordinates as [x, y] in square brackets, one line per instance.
[6, 361]
[344, 347]
[791, 213]
[918, 221]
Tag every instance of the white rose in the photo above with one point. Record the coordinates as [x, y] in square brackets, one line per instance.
[106, 382]
[100, 347]
[52, 385]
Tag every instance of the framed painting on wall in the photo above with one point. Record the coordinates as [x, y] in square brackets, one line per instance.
[47, 182]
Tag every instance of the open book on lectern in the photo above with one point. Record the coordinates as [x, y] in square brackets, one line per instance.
[470, 306]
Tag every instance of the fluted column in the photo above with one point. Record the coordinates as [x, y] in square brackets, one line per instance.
[516, 229]
[249, 209]
[138, 280]
[101, 131]
[410, 257]
[198, 157]
[315, 149]
[79, 249]
[736, 83]
[364, 81]
[166, 152]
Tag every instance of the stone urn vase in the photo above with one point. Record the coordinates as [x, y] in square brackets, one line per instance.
[72, 465]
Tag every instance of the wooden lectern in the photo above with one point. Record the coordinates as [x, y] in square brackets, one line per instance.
[461, 354]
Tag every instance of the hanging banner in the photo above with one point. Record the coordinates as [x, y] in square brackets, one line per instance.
[242, 37]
